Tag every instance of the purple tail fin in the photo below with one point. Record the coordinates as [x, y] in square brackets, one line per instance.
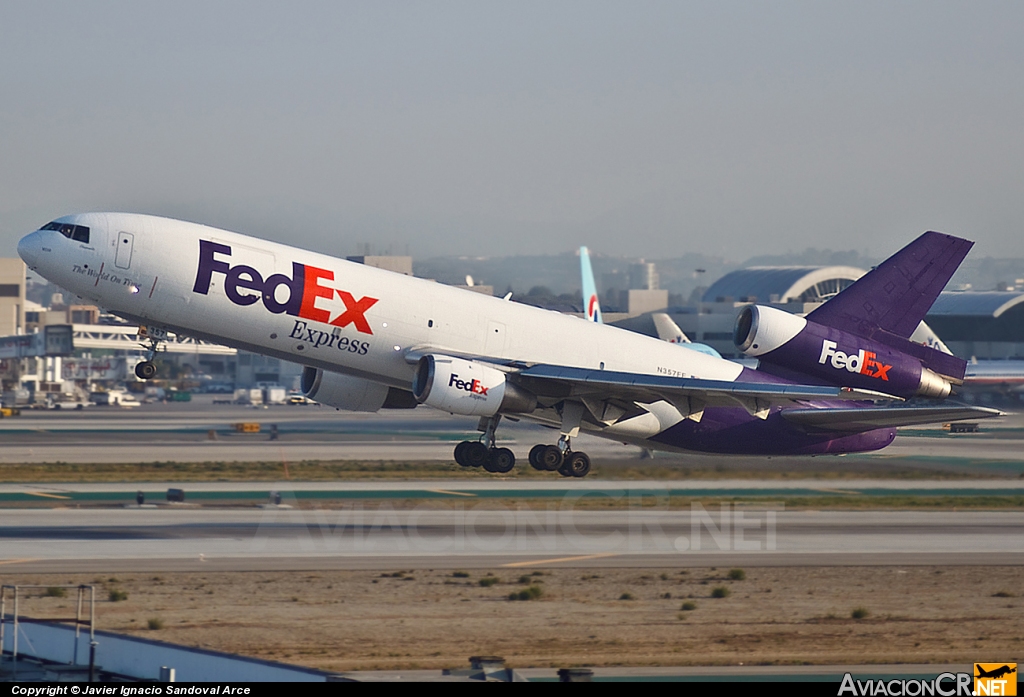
[897, 294]
[888, 302]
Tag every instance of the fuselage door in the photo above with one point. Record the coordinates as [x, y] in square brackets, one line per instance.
[123, 255]
[495, 343]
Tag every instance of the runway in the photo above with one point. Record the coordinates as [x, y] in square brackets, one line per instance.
[555, 488]
[371, 535]
[200, 431]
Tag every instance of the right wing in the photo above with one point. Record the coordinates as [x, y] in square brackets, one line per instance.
[867, 418]
[598, 389]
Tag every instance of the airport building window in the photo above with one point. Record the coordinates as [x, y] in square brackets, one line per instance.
[78, 233]
[10, 290]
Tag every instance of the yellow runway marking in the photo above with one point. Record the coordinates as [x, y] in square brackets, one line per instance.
[539, 562]
[49, 496]
[452, 493]
[17, 561]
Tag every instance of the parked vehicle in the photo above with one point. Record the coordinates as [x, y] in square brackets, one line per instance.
[114, 398]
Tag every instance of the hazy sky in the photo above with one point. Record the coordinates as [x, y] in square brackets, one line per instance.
[495, 128]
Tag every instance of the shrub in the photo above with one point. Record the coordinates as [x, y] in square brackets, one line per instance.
[720, 592]
[155, 623]
[460, 574]
[689, 605]
[56, 592]
[489, 581]
[531, 593]
[997, 594]
[737, 574]
[626, 596]
[859, 613]
[117, 595]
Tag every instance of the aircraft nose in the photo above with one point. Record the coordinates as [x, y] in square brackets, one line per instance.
[29, 249]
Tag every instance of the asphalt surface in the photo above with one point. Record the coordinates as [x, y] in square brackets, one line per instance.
[200, 431]
[485, 522]
[561, 490]
[377, 535]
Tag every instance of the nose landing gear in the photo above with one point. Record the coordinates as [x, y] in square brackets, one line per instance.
[146, 370]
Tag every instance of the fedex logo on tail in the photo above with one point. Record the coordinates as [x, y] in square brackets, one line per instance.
[244, 286]
[472, 386]
[862, 362]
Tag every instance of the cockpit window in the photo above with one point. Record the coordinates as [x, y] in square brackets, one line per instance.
[78, 233]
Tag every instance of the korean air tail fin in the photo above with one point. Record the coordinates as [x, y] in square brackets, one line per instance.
[591, 305]
[889, 302]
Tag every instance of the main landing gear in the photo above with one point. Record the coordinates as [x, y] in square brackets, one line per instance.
[483, 453]
[548, 458]
[559, 458]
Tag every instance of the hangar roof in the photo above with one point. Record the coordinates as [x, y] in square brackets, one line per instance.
[782, 283]
[976, 304]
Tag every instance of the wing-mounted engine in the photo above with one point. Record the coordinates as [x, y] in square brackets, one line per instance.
[779, 338]
[460, 386]
[352, 393]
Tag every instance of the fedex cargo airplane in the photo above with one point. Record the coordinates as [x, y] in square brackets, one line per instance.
[372, 339]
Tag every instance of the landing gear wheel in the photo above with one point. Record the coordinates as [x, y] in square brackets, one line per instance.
[565, 470]
[551, 458]
[146, 370]
[500, 461]
[460, 453]
[536, 457]
[578, 464]
[475, 453]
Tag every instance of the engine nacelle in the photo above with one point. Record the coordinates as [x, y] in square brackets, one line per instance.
[466, 387]
[779, 338]
[352, 393]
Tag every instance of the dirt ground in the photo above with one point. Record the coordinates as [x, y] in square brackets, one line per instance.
[348, 620]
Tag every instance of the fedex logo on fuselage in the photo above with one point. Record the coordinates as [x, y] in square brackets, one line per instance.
[473, 386]
[862, 362]
[244, 286]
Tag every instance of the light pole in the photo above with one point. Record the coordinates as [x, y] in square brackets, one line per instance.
[699, 274]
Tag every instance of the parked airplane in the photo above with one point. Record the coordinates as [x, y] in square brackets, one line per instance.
[999, 376]
[373, 339]
[667, 329]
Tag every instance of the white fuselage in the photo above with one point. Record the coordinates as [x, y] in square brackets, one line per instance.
[352, 318]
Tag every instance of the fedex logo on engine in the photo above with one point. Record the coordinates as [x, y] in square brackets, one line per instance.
[244, 286]
[862, 362]
[473, 386]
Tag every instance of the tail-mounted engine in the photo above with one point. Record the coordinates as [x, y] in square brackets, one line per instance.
[466, 387]
[795, 343]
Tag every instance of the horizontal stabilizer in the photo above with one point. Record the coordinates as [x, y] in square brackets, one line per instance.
[896, 295]
[867, 418]
[945, 364]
